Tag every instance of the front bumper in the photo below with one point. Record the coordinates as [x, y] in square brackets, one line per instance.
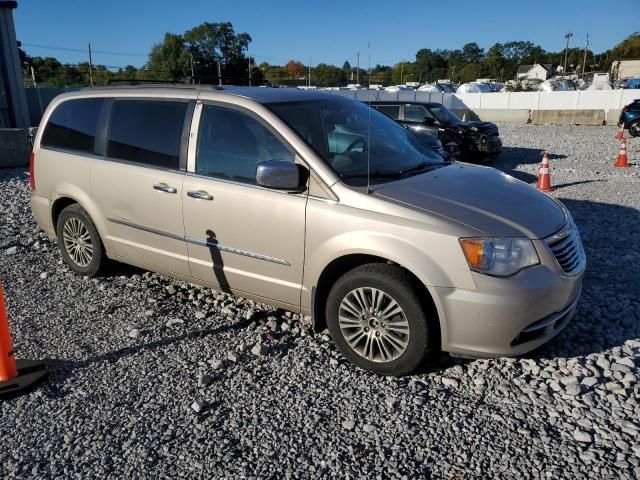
[491, 145]
[507, 316]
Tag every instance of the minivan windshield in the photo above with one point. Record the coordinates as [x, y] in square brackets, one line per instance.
[347, 134]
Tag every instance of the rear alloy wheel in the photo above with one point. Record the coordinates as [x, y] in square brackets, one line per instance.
[634, 128]
[377, 320]
[79, 242]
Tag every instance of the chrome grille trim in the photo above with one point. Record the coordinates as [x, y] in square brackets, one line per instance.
[566, 247]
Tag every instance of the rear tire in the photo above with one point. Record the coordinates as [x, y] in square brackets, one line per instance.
[634, 128]
[377, 320]
[79, 241]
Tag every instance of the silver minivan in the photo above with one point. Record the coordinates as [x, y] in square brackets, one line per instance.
[313, 203]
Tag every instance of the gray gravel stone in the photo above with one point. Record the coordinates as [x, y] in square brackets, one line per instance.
[118, 408]
[348, 424]
[197, 406]
[582, 436]
[134, 333]
[258, 349]
[450, 382]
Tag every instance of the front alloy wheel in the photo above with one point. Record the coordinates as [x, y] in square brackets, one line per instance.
[373, 324]
[381, 319]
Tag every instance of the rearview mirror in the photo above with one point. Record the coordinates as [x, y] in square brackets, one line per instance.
[279, 174]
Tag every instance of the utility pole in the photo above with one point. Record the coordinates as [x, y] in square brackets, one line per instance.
[401, 72]
[584, 61]
[358, 70]
[90, 67]
[249, 66]
[219, 74]
[309, 78]
[35, 85]
[568, 36]
[193, 74]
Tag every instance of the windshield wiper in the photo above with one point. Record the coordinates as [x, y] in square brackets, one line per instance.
[421, 166]
[399, 173]
[374, 174]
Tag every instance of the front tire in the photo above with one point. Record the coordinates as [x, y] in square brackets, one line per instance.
[454, 151]
[377, 320]
[79, 241]
[634, 128]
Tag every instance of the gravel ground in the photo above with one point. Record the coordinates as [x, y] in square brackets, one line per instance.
[152, 377]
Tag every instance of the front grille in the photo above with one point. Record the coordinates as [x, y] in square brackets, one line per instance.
[566, 247]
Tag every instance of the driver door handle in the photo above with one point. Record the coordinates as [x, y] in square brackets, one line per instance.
[163, 187]
[200, 195]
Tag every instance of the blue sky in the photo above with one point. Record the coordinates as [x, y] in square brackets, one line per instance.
[327, 31]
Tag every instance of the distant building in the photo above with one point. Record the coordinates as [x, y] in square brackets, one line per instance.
[537, 71]
[625, 69]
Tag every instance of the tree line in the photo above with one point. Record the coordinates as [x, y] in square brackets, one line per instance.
[215, 53]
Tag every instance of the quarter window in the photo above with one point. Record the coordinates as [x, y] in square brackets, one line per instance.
[231, 144]
[147, 132]
[73, 124]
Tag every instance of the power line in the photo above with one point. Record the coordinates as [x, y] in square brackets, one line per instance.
[84, 50]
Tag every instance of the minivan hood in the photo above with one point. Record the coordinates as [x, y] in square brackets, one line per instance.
[482, 198]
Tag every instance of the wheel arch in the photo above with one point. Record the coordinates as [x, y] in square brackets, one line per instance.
[72, 195]
[341, 265]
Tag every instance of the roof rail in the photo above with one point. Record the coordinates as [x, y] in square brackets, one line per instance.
[185, 86]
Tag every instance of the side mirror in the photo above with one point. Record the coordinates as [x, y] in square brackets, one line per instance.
[429, 121]
[279, 175]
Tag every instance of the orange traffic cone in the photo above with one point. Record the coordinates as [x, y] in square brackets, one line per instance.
[620, 133]
[544, 178]
[621, 161]
[8, 368]
[15, 376]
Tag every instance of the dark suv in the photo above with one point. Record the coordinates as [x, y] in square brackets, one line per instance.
[469, 141]
[630, 118]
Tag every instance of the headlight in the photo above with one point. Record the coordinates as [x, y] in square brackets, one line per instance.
[500, 257]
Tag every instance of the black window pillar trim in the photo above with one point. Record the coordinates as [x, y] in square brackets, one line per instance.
[100, 145]
[186, 134]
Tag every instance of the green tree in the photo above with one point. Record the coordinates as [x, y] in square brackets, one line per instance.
[210, 43]
[324, 75]
[495, 61]
[472, 53]
[170, 59]
[404, 72]
[628, 48]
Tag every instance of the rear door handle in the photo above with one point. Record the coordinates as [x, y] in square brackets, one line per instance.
[200, 195]
[163, 187]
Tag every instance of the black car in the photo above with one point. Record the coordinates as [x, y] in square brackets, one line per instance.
[468, 141]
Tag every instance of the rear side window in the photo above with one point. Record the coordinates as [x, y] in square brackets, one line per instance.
[73, 124]
[392, 111]
[416, 113]
[146, 132]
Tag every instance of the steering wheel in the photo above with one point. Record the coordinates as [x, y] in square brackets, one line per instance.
[355, 143]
